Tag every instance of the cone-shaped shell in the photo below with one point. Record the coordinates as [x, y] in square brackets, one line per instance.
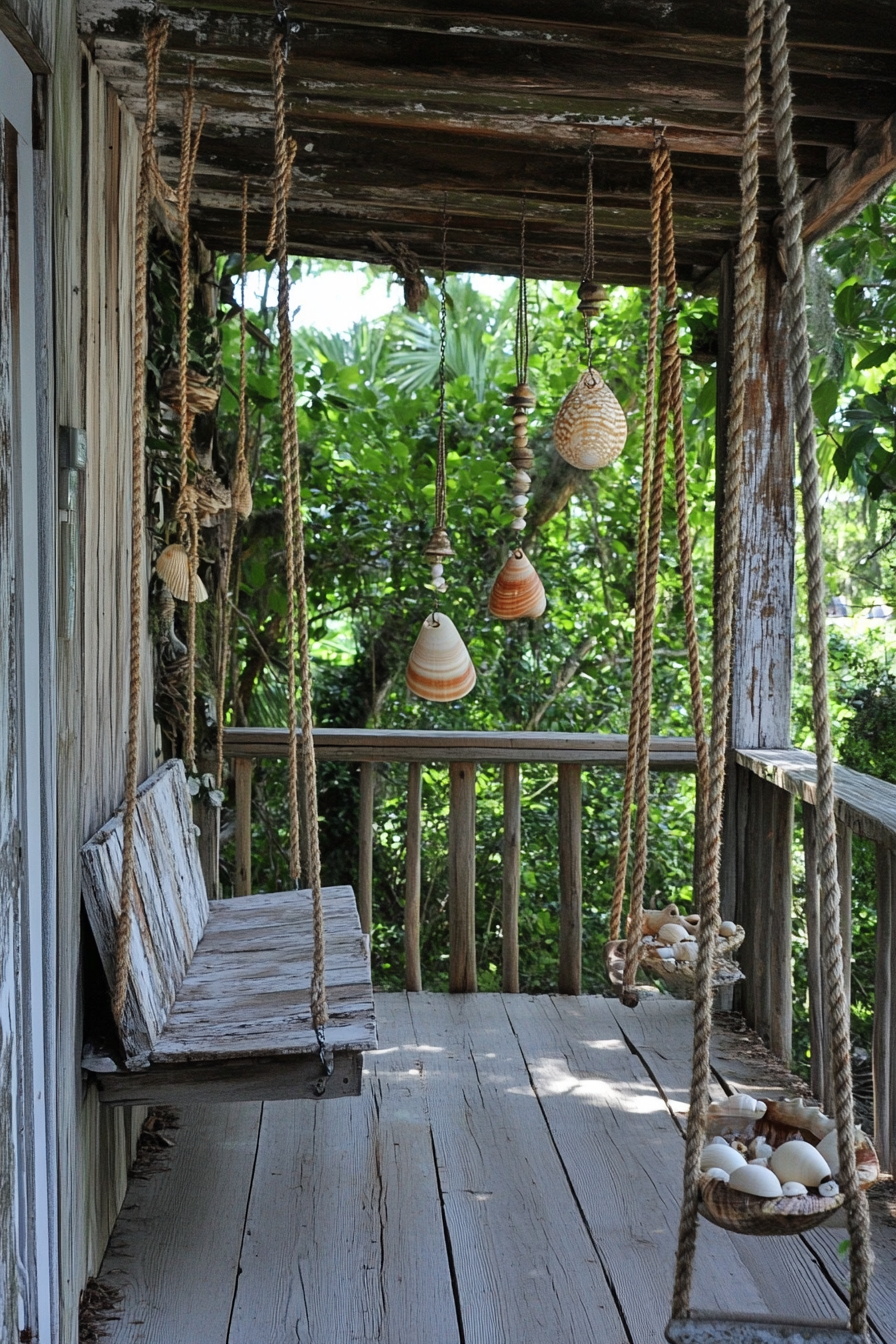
[517, 592]
[590, 427]
[173, 568]
[439, 667]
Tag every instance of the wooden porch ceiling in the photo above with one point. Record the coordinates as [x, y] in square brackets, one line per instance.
[394, 102]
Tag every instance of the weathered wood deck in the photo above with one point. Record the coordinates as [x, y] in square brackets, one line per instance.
[510, 1173]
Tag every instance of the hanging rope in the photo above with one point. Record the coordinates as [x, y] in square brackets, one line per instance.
[832, 950]
[747, 314]
[186, 510]
[156, 37]
[521, 337]
[240, 481]
[588, 265]
[296, 591]
[441, 500]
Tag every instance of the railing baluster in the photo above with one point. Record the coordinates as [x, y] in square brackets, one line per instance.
[844, 876]
[462, 878]
[242, 778]
[819, 1044]
[365, 846]
[883, 1053]
[412, 975]
[510, 882]
[569, 779]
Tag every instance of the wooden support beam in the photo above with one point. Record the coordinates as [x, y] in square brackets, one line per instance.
[365, 845]
[883, 1053]
[510, 882]
[569, 826]
[462, 878]
[242, 774]
[413, 978]
[856, 179]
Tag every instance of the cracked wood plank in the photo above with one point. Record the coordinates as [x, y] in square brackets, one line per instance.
[344, 1236]
[175, 1250]
[524, 1263]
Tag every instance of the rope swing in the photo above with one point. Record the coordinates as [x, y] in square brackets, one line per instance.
[296, 591]
[156, 37]
[747, 316]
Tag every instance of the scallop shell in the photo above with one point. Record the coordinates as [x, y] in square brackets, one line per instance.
[517, 592]
[751, 1179]
[797, 1160]
[440, 668]
[590, 428]
[173, 568]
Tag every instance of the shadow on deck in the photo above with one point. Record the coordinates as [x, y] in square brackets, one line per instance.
[510, 1175]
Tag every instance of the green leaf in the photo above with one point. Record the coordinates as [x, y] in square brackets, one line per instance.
[824, 400]
[878, 356]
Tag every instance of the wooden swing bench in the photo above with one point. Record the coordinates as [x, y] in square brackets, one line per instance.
[218, 1004]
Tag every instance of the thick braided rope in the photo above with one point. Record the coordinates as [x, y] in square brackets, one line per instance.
[297, 595]
[676, 396]
[156, 37]
[663, 172]
[628, 793]
[239, 473]
[832, 950]
[746, 318]
[441, 496]
[186, 502]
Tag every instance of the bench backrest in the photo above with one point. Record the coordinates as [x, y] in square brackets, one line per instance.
[170, 905]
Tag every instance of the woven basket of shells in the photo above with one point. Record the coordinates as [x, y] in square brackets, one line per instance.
[769, 1168]
[669, 949]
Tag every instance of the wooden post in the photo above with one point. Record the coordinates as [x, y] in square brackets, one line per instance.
[756, 885]
[365, 846]
[462, 878]
[510, 882]
[883, 1053]
[242, 775]
[569, 825]
[412, 975]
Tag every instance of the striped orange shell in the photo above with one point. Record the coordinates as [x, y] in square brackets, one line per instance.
[440, 668]
[590, 427]
[517, 592]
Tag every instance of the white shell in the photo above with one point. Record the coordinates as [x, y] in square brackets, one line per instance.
[718, 1174]
[739, 1105]
[760, 1147]
[794, 1188]
[671, 933]
[666, 953]
[830, 1150]
[717, 1139]
[753, 1180]
[828, 1189]
[590, 428]
[727, 928]
[716, 1156]
[797, 1160]
[686, 951]
[758, 1162]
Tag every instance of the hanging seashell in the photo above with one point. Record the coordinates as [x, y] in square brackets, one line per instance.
[517, 591]
[753, 1180]
[440, 668]
[797, 1160]
[212, 496]
[590, 427]
[438, 546]
[715, 1156]
[241, 492]
[173, 568]
[201, 396]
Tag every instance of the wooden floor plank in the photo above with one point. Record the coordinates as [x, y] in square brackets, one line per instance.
[174, 1254]
[525, 1267]
[344, 1239]
[786, 1268]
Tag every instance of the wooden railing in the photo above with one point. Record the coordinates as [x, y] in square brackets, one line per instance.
[462, 753]
[864, 807]
[757, 861]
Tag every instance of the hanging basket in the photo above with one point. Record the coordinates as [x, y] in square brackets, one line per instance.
[775, 1122]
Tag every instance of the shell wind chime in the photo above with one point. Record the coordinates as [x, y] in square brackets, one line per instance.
[590, 428]
[440, 667]
[518, 592]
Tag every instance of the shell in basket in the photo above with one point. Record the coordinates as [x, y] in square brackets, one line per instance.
[590, 428]
[794, 1131]
[173, 568]
[440, 668]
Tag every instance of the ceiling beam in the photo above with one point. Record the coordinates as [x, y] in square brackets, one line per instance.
[855, 180]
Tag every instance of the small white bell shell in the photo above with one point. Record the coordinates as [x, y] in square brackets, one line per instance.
[726, 1158]
[794, 1188]
[718, 1174]
[828, 1189]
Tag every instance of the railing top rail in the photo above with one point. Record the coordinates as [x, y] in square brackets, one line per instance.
[865, 804]
[384, 744]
